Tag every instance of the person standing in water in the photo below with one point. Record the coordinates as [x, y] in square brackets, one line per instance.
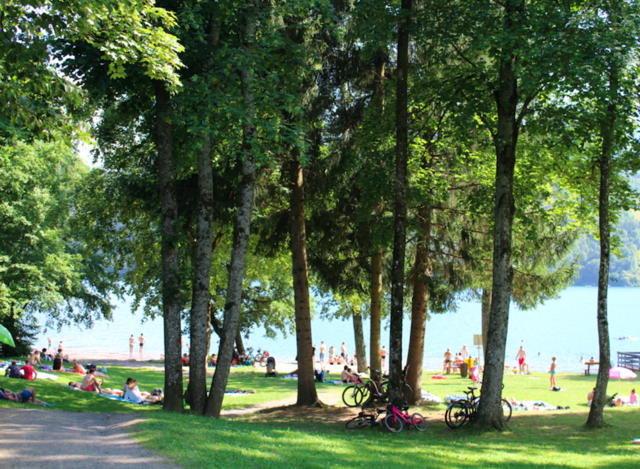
[132, 342]
[142, 342]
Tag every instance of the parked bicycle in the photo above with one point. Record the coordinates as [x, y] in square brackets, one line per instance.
[395, 420]
[365, 419]
[463, 411]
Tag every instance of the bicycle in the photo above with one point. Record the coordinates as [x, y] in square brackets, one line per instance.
[463, 411]
[396, 420]
[353, 395]
[365, 419]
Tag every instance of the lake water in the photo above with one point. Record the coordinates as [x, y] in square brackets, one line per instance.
[565, 328]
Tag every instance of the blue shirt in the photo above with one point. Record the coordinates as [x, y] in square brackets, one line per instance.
[2, 396]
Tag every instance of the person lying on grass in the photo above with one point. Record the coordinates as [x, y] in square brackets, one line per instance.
[78, 367]
[26, 396]
[133, 393]
[631, 400]
[90, 383]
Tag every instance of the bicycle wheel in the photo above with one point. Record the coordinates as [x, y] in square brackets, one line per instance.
[357, 422]
[351, 396]
[457, 414]
[393, 423]
[506, 410]
[363, 395]
[418, 422]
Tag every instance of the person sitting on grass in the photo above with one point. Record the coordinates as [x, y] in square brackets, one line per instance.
[29, 371]
[35, 358]
[90, 383]
[26, 396]
[57, 363]
[347, 377]
[213, 361]
[13, 371]
[185, 360]
[133, 394]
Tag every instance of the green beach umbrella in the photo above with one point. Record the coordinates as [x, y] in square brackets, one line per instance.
[5, 336]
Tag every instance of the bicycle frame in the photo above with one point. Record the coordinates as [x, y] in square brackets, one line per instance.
[406, 418]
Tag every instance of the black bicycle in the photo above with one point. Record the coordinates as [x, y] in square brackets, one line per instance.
[463, 411]
[365, 419]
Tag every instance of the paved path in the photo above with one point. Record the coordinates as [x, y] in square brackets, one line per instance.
[34, 438]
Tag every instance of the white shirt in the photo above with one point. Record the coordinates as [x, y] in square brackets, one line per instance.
[134, 395]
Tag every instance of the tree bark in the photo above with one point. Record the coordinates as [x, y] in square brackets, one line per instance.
[376, 257]
[490, 412]
[307, 395]
[201, 281]
[240, 342]
[486, 314]
[171, 307]
[596, 414]
[361, 349]
[400, 209]
[419, 312]
[242, 228]
[376, 309]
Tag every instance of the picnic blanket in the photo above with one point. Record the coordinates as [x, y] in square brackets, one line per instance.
[43, 375]
[239, 392]
[455, 397]
[429, 398]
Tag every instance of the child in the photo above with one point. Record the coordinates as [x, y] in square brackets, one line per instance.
[553, 372]
[475, 376]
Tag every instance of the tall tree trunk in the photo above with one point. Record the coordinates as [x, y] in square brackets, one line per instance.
[307, 395]
[201, 281]
[400, 208]
[242, 228]
[171, 306]
[419, 311]
[240, 342]
[361, 349]
[486, 314]
[376, 309]
[490, 412]
[376, 257]
[596, 416]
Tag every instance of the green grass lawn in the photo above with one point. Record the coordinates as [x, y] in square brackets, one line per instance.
[535, 439]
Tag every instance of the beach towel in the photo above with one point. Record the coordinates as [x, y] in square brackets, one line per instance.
[118, 398]
[333, 381]
[536, 405]
[43, 375]
[438, 377]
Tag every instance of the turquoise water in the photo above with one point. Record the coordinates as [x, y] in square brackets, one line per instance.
[565, 328]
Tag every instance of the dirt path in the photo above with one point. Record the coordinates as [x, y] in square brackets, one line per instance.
[52, 439]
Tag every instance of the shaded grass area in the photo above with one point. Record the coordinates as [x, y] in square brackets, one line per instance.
[535, 440]
[318, 438]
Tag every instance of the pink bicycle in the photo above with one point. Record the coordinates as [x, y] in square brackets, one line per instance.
[396, 420]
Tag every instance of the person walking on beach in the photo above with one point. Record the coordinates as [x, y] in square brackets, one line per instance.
[343, 350]
[332, 352]
[521, 356]
[61, 346]
[464, 353]
[553, 372]
[142, 342]
[132, 342]
[383, 356]
[323, 348]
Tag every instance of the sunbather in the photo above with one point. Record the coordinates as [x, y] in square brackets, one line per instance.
[26, 396]
[623, 400]
[78, 367]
